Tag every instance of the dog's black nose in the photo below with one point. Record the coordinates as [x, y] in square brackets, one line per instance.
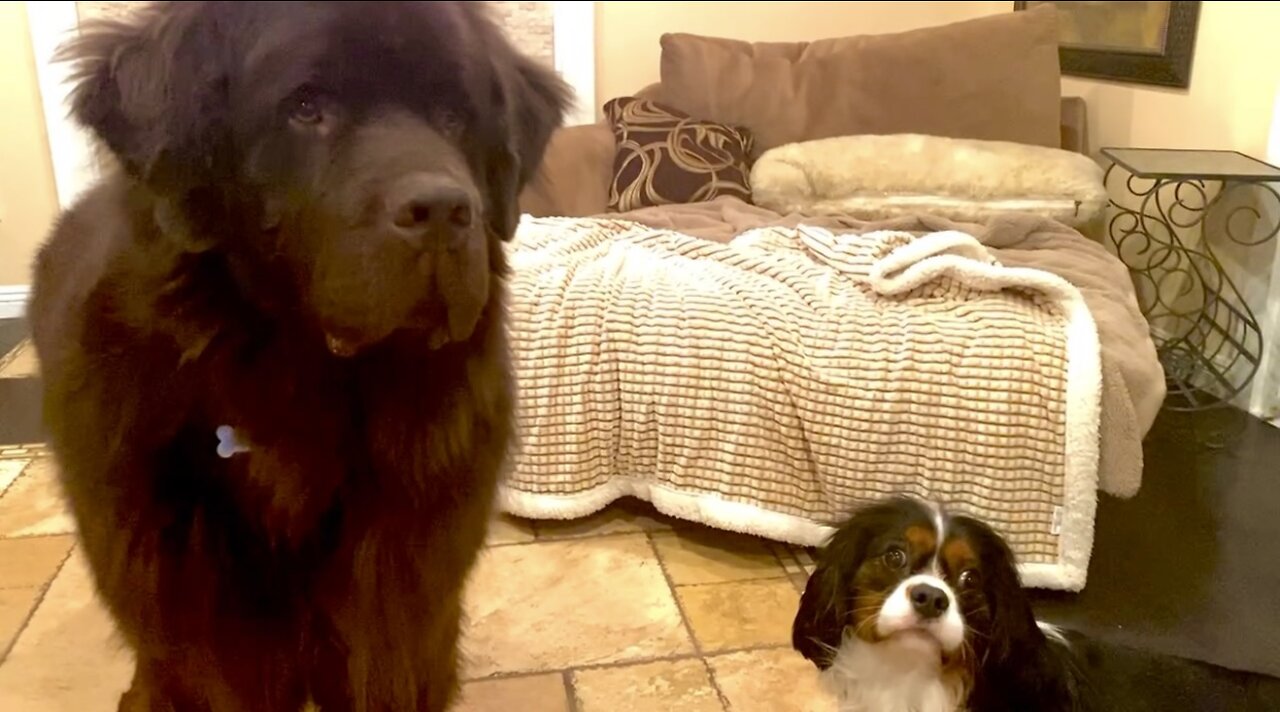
[428, 207]
[929, 601]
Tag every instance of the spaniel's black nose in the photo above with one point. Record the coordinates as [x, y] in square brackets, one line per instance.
[929, 601]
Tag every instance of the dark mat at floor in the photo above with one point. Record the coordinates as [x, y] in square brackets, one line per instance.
[1132, 680]
[12, 332]
[1190, 567]
[20, 411]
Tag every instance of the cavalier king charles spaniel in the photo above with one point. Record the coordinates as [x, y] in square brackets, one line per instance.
[913, 609]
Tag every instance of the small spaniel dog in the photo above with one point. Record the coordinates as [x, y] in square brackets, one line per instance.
[912, 609]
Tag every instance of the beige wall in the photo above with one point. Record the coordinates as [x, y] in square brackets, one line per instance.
[627, 32]
[1229, 104]
[1237, 63]
[28, 202]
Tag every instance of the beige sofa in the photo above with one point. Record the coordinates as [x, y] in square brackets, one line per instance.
[727, 362]
[578, 168]
[799, 91]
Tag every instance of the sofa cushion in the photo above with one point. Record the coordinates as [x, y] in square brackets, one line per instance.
[993, 78]
[888, 176]
[665, 157]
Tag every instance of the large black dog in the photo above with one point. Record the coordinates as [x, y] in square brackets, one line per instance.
[273, 343]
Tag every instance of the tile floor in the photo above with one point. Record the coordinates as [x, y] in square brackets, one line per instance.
[621, 611]
[631, 611]
[626, 610]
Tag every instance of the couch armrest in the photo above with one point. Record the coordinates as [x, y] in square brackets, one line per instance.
[574, 178]
[1075, 125]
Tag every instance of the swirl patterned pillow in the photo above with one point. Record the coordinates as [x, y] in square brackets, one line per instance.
[667, 157]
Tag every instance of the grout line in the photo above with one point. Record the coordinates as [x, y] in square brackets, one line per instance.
[10, 356]
[44, 591]
[21, 473]
[5, 490]
[781, 552]
[23, 451]
[588, 537]
[678, 657]
[800, 578]
[675, 596]
[684, 618]
[593, 535]
[507, 544]
[570, 692]
[38, 535]
[715, 684]
[762, 579]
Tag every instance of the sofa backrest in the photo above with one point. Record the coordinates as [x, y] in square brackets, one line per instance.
[993, 78]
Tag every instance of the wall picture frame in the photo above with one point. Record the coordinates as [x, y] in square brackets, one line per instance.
[1150, 43]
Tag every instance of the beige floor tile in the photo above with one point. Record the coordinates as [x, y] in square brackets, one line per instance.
[624, 516]
[510, 530]
[803, 555]
[785, 555]
[68, 659]
[769, 681]
[663, 686]
[554, 605]
[15, 605]
[32, 561]
[9, 471]
[741, 614]
[33, 504]
[702, 555]
[538, 693]
[25, 451]
[21, 363]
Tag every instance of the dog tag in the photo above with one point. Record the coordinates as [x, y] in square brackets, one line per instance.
[229, 442]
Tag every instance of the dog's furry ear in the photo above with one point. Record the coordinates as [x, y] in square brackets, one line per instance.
[1023, 668]
[151, 88]
[826, 606]
[1013, 622]
[534, 101]
[819, 624]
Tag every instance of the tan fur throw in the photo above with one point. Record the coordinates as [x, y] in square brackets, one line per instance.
[875, 177]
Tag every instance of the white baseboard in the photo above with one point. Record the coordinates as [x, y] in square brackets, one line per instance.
[13, 302]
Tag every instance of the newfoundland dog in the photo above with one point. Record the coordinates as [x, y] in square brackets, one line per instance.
[273, 343]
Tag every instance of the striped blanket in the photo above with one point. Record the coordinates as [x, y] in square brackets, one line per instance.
[769, 384]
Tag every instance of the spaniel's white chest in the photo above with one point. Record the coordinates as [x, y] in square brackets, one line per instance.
[892, 677]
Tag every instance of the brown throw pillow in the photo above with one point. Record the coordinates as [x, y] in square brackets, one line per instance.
[666, 157]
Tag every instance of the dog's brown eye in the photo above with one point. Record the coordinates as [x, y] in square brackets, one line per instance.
[306, 110]
[308, 107]
[895, 558]
[450, 123]
[969, 579]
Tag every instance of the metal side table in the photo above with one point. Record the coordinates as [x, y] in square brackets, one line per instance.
[1169, 210]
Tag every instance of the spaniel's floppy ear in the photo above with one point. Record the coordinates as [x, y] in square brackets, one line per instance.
[825, 608]
[1013, 622]
[819, 625]
[1022, 668]
[534, 100]
[151, 88]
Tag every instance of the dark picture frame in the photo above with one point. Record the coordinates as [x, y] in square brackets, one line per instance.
[1168, 66]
